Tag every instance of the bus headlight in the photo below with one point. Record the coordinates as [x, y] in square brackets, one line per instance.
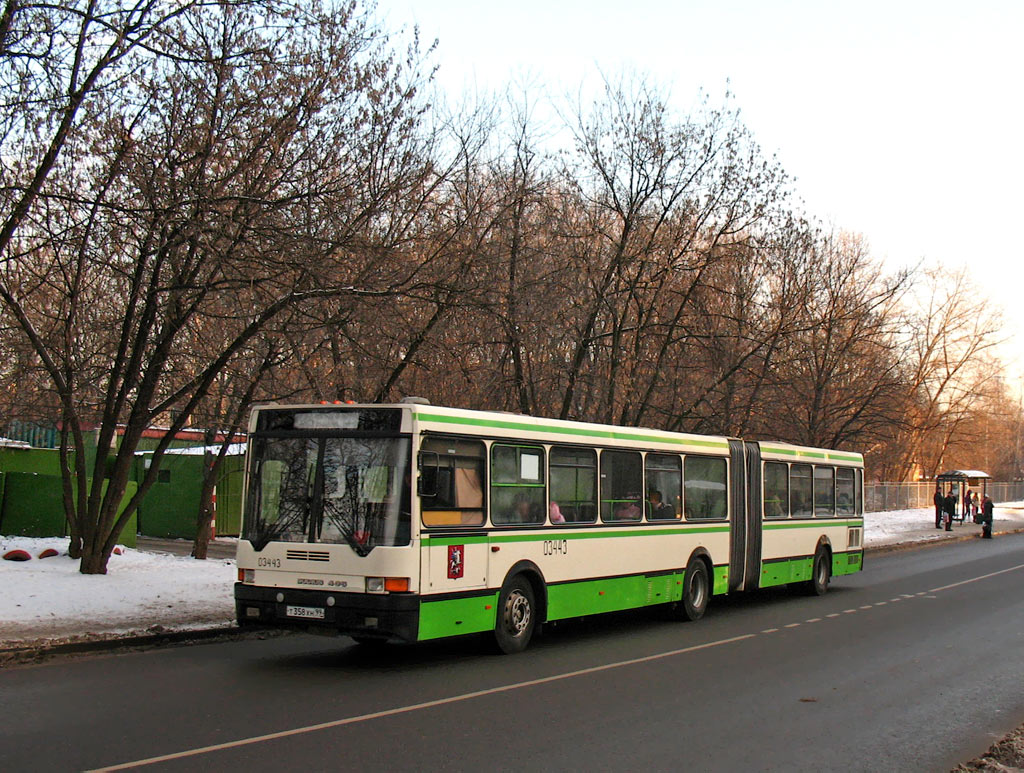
[387, 584]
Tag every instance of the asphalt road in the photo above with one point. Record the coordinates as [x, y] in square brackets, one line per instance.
[915, 664]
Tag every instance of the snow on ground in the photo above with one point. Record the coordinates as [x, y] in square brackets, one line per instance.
[48, 599]
[918, 525]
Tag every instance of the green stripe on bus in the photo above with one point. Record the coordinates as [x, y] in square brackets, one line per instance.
[592, 597]
[721, 581]
[830, 455]
[847, 563]
[771, 526]
[451, 617]
[782, 572]
[799, 569]
[553, 535]
[562, 430]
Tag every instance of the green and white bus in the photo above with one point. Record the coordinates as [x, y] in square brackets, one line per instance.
[414, 522]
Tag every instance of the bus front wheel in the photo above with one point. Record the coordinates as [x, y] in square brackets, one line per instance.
[696, 590]
[517, 616]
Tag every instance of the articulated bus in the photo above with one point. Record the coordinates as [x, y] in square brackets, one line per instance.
[414, 522]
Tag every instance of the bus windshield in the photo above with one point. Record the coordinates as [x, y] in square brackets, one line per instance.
[352, 490]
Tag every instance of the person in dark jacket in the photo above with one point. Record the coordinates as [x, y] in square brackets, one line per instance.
[986, 517]
[950, 509]
[940, 504]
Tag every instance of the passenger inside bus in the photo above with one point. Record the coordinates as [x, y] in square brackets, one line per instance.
[659, 510]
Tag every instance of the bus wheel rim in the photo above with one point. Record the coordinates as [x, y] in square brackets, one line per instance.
[517, 613]
[696, 590]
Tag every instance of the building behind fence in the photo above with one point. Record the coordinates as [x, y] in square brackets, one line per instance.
[879, 497]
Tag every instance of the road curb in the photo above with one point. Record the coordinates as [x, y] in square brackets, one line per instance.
[37, 653]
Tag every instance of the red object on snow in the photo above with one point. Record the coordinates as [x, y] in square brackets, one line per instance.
[17, 555]
[117, 551]
[49, 553]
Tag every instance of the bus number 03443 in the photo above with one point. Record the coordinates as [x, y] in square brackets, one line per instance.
[556, 547]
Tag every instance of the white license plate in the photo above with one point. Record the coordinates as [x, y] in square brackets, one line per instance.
[316, 613]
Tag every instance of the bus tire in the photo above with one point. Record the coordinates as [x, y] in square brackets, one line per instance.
[696, 590]
[517, 616]
[821, 573]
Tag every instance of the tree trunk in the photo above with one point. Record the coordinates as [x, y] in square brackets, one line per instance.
[204, 521]
[94, 562]
[206, 514]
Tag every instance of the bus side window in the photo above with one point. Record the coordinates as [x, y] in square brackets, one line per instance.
[776, 490]
[704, 496]
[517, 484]
[845, 487]
[574, 483]
[452, 482]
[801, 492]
[621, 486]
[824, 491]
[664, 487]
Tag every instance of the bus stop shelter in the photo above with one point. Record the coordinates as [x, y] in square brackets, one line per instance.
[961, 481]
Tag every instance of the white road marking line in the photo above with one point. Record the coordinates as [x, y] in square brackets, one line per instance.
[893, 601]
[866, 606]
[769, 630]
[881, 603]
[834, 614]
[976, 579]
[420, 706]
[813, 620]
[849, 611]
[792, 625]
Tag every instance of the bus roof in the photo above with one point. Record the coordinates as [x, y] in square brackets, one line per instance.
[502, 424]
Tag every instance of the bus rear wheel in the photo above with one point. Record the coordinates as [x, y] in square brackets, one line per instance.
[696, 590]
[821, 573]
[517, 616]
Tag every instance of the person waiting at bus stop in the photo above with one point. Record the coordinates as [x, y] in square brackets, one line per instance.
[986, 517]
[940, 505]
[950, 506]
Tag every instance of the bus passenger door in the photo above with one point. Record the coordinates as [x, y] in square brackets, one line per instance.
[738, 514]
[755, 516]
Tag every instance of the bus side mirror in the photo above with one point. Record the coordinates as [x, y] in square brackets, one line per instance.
[426, 484]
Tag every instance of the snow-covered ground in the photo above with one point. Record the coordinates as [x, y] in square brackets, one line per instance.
[48, 599]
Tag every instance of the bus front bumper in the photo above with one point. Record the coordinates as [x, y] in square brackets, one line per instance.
[387, 616]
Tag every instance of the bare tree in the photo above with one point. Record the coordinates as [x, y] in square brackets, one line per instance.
[239, 171]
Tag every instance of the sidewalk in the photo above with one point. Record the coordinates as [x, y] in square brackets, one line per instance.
[904, 528]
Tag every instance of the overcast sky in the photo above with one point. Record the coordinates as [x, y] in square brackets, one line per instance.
[901, 120]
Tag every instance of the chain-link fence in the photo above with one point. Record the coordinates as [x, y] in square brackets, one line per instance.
[879, 497]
